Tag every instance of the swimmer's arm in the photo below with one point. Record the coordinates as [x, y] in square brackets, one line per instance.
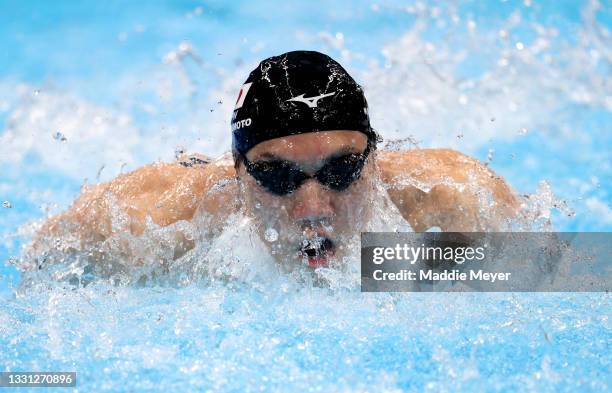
[85, 221]
[165, 192]
[446, 189]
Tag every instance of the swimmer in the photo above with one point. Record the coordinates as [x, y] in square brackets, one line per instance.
[305, 161]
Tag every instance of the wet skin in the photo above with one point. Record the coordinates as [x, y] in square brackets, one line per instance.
[313, 212]
[430, 187]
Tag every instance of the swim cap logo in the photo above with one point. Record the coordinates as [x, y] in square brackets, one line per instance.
[242, 95]
[310, 101]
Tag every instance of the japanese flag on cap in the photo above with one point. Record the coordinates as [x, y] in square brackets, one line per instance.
[242, 95]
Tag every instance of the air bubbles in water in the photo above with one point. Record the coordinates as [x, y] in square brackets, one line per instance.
[178, 152]
[471, 25]
[6, 205]
[407, 143]
[185, 47]
[58, 136]
[271, 235]
[196, 12]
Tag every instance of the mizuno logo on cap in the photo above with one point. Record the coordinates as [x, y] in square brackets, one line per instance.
[310, 101]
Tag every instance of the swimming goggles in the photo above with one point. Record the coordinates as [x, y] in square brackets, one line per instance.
[282, 177]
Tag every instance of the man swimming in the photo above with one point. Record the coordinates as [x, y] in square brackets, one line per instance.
[305, 169]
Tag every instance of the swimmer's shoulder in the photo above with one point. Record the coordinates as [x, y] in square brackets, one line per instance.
[199, 173]
[189, 174]
[444, 183]
[184, 188]
[430, 165]
[165, 191]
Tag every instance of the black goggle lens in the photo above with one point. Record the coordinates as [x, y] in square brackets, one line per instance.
[283, 177]
[278, 177]
[340, 172]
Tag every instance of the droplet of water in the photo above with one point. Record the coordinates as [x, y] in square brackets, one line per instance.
[271, 235]
[6, 205]
[58, 136]
[523, 131]
[184, 47]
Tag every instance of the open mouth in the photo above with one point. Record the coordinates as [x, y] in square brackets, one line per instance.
[318, 250]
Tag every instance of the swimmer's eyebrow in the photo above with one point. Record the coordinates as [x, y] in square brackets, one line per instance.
[267, 156]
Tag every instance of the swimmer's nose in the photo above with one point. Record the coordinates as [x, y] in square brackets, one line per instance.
[311, 200]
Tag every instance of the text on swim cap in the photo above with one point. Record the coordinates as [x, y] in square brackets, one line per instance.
[241, 123]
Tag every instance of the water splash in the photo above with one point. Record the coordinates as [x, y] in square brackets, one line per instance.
[271, 235]
[283, 332]
[58, 136]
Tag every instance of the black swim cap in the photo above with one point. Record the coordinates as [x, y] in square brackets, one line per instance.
[295, 93]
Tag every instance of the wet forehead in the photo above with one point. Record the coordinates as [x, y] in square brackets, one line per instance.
[309, 146]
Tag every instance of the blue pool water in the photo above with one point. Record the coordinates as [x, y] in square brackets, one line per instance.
[311, 340]
[522, 85]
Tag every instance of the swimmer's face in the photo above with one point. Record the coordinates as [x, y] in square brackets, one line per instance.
[309, 217]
